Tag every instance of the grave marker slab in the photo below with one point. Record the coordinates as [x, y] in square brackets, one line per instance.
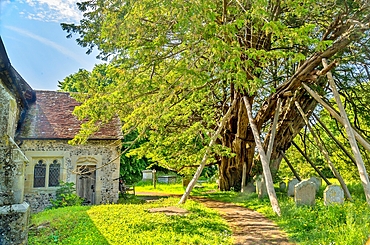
[282, 186]
[317, 182]
[333, 194]
[261, 187]
[305, 193]
[291, 185]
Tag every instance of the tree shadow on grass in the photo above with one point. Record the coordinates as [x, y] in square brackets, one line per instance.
[65, 226]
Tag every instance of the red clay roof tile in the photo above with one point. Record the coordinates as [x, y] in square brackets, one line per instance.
[50, 117]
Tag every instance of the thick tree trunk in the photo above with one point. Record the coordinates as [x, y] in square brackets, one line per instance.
[238, 137]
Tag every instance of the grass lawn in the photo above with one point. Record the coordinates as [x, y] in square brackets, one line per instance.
[129, 224]
[347, 224]
[132, 224]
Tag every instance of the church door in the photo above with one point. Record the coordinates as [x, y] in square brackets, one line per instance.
[85, 184]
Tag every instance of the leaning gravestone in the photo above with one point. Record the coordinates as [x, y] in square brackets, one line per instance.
[291, 185]
[261, 187]
[316, 181]
[305, 193]
[333, 194]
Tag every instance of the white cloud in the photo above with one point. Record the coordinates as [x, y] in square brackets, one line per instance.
[54, 10]
[49, 43]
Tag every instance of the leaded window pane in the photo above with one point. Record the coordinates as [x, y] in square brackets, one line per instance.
[39, 174]
[54, 172]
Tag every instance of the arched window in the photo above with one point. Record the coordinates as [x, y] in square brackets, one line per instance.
[54, 172]
[39, 174]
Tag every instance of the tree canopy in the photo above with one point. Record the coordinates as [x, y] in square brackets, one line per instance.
[175, 67]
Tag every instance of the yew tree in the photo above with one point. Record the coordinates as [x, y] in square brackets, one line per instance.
[175, 67]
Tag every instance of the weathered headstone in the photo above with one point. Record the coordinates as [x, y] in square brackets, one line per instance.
[261, 189]
[333, 194]
[282, 186]
[291, 185]
[305, 193]
[317, 181]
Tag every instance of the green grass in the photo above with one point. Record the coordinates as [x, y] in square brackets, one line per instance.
[337, 224]
[129, 224]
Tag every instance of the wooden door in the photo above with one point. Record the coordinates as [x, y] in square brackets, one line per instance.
[85, 184]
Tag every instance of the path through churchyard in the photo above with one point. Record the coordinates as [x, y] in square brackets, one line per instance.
[249, 227]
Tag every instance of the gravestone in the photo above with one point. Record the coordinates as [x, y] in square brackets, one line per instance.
[261, 187]
[282, 186]
[291, 185]
[317, 181]
[305, 193]
[333, 194]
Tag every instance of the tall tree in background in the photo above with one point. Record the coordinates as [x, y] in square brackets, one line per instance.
[175, 68]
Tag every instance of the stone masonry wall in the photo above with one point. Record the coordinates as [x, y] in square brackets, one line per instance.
[103, 151]
[14, 221]
[14, 213]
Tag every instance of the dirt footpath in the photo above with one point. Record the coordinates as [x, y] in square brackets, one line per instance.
[248, 226]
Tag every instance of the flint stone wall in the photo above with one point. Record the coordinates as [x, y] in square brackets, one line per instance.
[14, 224]
[14, 213]
[39, 201]
[102, 151]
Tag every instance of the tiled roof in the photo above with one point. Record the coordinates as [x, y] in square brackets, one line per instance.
[50, 117]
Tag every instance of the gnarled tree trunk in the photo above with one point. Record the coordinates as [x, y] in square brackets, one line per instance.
[239, 138]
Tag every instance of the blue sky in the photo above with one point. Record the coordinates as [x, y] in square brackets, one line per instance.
[36, 44]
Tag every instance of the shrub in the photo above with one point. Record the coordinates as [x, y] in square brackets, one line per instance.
[66, 196]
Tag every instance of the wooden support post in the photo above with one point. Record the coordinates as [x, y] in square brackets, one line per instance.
[291, 166]
[356, 151]
[325, 153]
[265, 163]
[311, 163]
[195, 178]
[244, 177]
[154, 178]
[332, 112]
[272, 137]
[336, 141]
[273, 131]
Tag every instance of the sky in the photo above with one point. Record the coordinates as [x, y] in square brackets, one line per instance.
[36, 44]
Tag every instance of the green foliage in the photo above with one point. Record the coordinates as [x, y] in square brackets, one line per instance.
[66, 196]
[132, 166]
[174, 65]
[130, 224]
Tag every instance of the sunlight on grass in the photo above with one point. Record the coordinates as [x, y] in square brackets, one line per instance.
[129, 224]
[133, 224]
[337, 224]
